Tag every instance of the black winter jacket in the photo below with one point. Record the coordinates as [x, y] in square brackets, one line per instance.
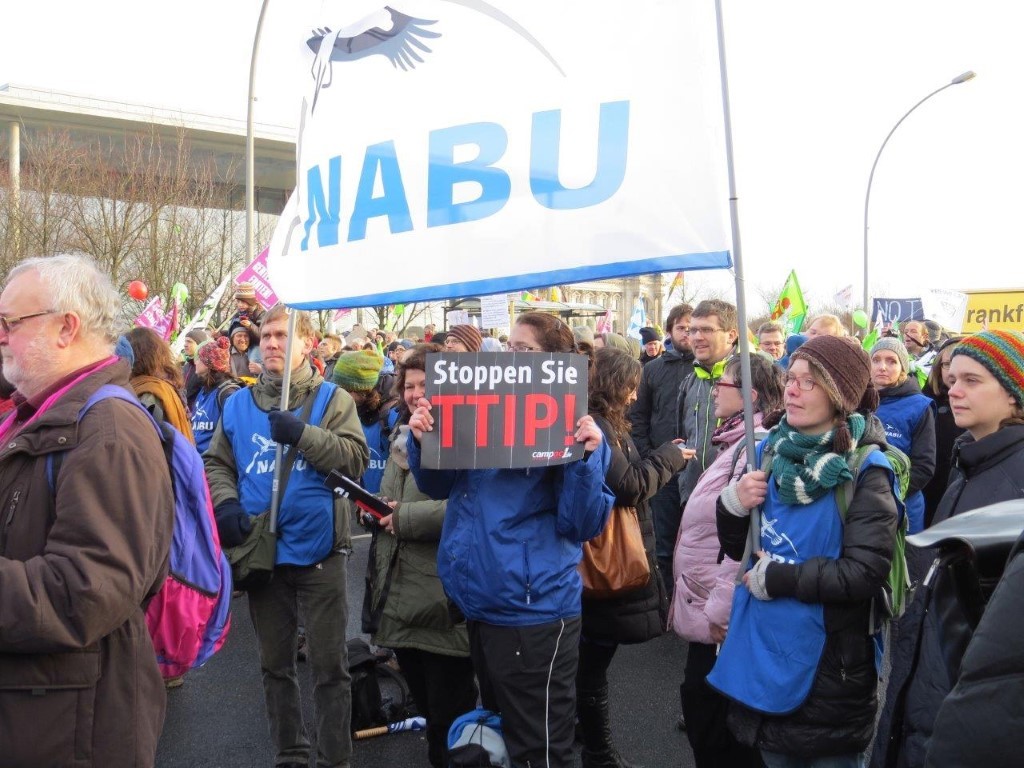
[984, 472]
[638, 615]
[655, 412]
[981, 721]
[838, 715]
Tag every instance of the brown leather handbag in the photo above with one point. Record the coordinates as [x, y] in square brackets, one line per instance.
[615, 560]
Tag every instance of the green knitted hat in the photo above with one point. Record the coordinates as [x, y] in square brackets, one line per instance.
[358, 371]
[1002, 354]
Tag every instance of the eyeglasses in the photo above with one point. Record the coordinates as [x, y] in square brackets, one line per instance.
[719, 384]
[683, 331]
[450, 342]
[524, 348]
[10, 323]
[704, 331]
[805, 384]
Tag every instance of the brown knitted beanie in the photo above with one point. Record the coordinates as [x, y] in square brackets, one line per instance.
[845, 372]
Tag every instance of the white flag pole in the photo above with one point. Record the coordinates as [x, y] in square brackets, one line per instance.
[741, 303]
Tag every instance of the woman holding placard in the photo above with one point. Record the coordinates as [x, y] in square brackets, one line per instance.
[508, 560]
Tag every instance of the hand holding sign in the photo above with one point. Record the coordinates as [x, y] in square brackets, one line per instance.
[588, 433]
[421, 420]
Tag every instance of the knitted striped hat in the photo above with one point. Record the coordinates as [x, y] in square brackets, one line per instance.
[468, 335]
[358, 371]
[1002, 355]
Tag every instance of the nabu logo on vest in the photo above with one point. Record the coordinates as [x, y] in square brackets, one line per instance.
[267, 447]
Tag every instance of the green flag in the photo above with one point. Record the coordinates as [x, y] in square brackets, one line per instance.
[790, 309]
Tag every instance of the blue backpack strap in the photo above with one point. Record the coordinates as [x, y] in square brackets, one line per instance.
[55, 459]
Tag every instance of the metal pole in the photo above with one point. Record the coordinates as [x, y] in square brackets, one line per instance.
[250, 144]
[867, 198]
[741, 302]
[14, 170]
[286, 382]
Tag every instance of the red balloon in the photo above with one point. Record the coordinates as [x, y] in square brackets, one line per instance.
[138, 290]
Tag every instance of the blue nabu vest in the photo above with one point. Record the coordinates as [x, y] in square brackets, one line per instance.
[900, 417]
[377, 435]
[773, 647]
[305, 521]
[205, 415]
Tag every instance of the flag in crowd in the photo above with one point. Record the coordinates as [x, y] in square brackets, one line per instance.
[790, 309]
[638, 319]
[677, 284]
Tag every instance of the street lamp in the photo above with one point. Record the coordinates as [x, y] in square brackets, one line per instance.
[867, 198]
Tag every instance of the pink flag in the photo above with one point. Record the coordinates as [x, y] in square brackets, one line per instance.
[256, 274]
[152, 315]
[604, 325]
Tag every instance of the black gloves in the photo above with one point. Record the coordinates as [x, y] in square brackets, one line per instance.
[285, 428]
[233, 523]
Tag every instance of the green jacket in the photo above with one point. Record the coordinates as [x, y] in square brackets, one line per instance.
[336, 443]
[415, 613]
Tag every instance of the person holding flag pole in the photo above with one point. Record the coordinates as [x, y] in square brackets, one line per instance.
[292, 412]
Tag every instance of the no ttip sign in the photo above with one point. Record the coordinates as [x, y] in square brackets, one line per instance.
[504, 409]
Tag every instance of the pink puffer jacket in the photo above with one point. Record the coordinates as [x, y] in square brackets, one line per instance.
[703, 586]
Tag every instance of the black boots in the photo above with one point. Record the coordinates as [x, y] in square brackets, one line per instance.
[598, 749]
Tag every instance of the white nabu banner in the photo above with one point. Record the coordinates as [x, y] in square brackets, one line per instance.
[460, 147]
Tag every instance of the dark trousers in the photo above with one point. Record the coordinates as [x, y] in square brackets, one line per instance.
[317, 594]
[666, 513]
[593, 669]
[443, 688]
[705, 710]
[528, 674]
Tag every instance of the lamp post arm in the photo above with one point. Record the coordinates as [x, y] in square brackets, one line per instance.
[871, 177]
[250, 143]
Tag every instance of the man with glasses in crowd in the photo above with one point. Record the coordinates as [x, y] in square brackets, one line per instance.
[771, 339]
[654, 420]
[713, 335]
[82, 551]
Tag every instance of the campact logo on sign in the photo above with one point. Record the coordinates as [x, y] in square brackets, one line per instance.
[380, 170]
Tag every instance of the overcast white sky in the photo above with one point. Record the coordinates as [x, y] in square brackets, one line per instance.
[815, 88]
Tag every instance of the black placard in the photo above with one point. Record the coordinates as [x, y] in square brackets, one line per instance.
[349, 488]
[504, 409]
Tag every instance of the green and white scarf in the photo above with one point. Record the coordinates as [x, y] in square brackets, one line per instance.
[803, 466]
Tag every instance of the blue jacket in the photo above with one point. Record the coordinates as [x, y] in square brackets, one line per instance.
[511, 540]
[909, 421]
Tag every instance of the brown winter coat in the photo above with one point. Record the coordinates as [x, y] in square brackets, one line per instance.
[79, 684]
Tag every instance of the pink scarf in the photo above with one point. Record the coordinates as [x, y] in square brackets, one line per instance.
[7, 428]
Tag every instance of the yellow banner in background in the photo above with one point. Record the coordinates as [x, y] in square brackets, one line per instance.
[1000, 310]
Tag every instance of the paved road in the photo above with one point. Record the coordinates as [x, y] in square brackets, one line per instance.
[217, 720]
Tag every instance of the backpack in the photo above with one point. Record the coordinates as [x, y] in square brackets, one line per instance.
[380, 694]
[385, 383]
[891, 600]
[189, 617]
[476, 740]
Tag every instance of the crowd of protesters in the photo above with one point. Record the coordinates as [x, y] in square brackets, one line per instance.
[473, 577]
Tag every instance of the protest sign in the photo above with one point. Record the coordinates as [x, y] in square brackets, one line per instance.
[257, 274]
[897, 310]
[504, 409]
[945, 307]
[494, 311]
